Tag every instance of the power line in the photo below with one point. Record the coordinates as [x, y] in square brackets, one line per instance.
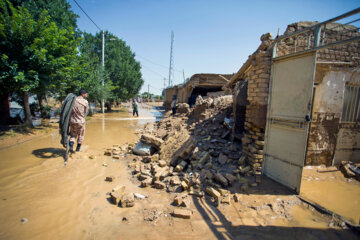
[87, 15]
[158, 64]
[149, 69]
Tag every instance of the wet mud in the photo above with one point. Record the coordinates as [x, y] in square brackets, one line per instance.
[42, 199]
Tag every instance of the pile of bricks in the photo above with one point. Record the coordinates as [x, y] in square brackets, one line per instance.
[253, 145]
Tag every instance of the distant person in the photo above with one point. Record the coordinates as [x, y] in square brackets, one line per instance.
[135, 108]
[77, 120]
[173, 105]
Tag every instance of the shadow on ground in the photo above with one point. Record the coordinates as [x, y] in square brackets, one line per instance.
[222, 228]
[49, 152]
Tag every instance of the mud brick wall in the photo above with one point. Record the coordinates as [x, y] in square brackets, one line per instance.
[257, 95]
[253, 146]
[334, 32]
[324, 128]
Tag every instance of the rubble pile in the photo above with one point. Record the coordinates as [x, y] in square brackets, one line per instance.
[120, 197]
[191, 154]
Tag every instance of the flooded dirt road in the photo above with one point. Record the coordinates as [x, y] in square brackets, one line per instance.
[35, 185]
[42, 199]
[330, 189]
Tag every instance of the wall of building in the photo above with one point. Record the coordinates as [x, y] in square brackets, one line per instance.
[326, 129]
[258, 78]
[327, 108]
[169, 93]
[348, 139]
[201, 84]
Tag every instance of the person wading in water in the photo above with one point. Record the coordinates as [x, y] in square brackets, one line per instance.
[135, 108]
[77, 120]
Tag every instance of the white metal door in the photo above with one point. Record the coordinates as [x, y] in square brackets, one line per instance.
[287, 128]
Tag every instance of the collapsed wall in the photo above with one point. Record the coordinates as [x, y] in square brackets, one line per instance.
[257, 76]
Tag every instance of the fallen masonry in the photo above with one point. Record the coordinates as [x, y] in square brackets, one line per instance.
[190, 153]
[192, 157]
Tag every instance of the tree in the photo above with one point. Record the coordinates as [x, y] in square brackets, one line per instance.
[60, 13]
[58, 10]
[35, 54]
[122, 71]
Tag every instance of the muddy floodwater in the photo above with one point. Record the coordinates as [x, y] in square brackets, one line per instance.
[40, 198]
[53, 200]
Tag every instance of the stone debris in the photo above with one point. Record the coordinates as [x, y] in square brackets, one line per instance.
[109, 178]
[127, 200]
[192, 153]
[120, 197]
[212, 192]
[182, 213]
[226, 199]
[151, 140]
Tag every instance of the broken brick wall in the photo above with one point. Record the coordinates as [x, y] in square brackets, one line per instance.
[334, 32]
[258, 77]
[169, 93]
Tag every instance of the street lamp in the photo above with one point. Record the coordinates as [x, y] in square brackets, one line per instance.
[103, 67]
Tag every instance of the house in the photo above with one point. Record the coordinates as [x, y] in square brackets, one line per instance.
[334, 132]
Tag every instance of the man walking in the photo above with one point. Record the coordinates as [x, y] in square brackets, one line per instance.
[135, 108]
[77, 120]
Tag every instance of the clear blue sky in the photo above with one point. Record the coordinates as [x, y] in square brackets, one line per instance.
[210, 36]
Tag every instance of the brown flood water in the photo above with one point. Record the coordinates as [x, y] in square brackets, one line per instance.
[332, 191]
[57, 200]
[71, 202]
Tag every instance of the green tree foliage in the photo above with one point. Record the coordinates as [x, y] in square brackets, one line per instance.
[35, 54]
[59, 10]
[122, 71]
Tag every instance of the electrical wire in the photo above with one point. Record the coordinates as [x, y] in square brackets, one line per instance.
[157, 64]
[87, 15]
[149, 69]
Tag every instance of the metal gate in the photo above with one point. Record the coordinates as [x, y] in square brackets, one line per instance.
[288, 118]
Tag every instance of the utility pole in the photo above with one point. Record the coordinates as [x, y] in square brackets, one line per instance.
[184, 75]
[171, 65]
[103, 69]
[148, 92]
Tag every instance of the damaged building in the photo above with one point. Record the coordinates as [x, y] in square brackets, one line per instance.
[334, 133]
[203, 84]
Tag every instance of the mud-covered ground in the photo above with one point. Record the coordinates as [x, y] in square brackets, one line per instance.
[42, 199]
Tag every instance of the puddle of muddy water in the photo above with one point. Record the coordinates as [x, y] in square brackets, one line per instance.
[332, 191]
